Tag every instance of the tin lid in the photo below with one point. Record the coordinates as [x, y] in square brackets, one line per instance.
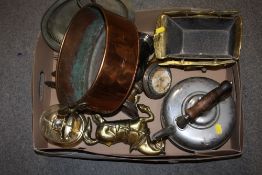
[209, 131]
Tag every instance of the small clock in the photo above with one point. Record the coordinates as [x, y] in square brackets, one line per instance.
[156, 81]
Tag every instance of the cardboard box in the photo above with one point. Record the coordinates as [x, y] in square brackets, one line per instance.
[43, 97]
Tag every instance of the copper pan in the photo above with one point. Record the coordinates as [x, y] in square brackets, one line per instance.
[113, 74]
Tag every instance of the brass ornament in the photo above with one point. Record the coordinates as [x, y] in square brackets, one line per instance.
[129, 107]
[132, 132]
[62, 125]
[66, 126]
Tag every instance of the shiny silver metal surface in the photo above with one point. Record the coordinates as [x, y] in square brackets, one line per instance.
[210, 130]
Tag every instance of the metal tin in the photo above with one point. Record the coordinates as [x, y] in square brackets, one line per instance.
[195, 38]
[210, 130]
[156, 81]
[98, 60]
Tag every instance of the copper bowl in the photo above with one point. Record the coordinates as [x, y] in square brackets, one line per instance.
[98, 60]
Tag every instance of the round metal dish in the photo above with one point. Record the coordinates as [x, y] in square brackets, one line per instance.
[98, 60]
[57, 18]
[56, 21]
[63, 130]
[115, 6]
[210, 130]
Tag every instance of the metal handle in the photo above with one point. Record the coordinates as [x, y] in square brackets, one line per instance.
[209, 100]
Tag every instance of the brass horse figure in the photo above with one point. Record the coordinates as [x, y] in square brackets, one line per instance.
[133, 132]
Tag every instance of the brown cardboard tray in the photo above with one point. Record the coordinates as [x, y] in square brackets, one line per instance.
[43, 97]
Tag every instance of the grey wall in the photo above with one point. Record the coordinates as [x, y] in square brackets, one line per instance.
[19, 26]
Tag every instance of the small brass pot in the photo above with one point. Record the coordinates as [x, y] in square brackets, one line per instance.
[98, 60]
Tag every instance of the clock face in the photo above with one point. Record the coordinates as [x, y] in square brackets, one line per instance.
[157, 81]
[160, 80]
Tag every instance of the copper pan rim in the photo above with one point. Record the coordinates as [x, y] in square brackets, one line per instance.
[120, 59]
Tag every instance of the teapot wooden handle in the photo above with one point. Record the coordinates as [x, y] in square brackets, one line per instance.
[209, 100]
